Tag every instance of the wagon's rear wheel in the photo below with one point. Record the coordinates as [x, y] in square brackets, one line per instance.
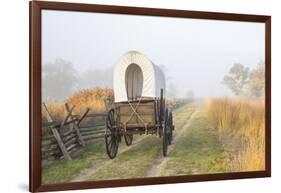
[128, 139]
[165, 134]
[171, 128]
[111, 135]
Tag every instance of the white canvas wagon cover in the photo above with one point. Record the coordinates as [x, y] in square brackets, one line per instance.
[136, 76]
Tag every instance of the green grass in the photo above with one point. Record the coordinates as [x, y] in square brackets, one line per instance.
[133, 163]
[91, 157]
[60, 171]
[196, 151]
[138, 160]
[182, 115]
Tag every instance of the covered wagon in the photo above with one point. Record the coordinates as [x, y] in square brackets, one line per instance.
[139, 103]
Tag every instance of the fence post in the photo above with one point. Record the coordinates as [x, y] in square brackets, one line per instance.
[75, 126]
[56, 134]
[60, 143]
[48, 115]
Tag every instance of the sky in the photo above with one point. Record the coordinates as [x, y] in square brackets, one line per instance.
[196, 53]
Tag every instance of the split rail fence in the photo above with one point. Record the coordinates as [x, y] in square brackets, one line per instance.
[61, 139]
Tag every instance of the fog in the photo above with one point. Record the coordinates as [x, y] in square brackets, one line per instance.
[194, 54]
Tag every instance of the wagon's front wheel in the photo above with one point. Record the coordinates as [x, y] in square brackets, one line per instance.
[128, 139]
[165, 134]
[111, 135]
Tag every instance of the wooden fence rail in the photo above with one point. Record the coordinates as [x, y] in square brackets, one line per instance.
[66, 137]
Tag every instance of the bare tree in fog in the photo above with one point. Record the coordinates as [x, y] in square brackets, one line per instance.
[236, 79]
[58, 80]
[256, 83]
[246, 82]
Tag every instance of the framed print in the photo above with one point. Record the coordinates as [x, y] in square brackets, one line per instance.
[123, 96]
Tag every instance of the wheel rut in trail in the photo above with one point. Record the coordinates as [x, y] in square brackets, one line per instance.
[156, 168]
[83, 175]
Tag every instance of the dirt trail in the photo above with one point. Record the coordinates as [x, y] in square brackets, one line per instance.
[89, 171]
[155, 170]
[195, 149]
[104, 167]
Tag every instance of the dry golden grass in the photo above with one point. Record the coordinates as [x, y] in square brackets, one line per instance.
[241, 127]
[88, 98]
[56, 110]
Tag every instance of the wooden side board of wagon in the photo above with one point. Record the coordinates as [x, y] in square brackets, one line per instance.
[138, 117]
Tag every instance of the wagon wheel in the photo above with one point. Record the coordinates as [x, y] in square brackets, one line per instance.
[128, 139]
[171, 128]
[165, 134]
[111, 135]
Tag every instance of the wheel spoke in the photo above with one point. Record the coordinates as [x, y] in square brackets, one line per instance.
[113, 147]
[111, 136]
[128, 139]
[110, 141]
[165, 133]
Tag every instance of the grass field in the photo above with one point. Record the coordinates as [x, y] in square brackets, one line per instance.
[222, 136]
[241, 128]
[94, 98]
[137, 161]
[196, 149]
[59, 171]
